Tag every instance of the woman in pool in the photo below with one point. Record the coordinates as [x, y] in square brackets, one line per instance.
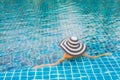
[72, 49]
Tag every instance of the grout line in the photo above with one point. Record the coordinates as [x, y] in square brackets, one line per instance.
[12, 75]
[5, 76]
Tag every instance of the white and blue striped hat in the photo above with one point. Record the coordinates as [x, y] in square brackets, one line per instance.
[72, 46]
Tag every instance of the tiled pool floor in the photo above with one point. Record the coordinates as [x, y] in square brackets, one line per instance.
[30, 32]
[104, 68]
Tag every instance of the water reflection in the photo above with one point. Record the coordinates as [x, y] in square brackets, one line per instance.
[30, 28]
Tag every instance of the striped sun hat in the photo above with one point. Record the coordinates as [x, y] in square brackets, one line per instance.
[72, 46]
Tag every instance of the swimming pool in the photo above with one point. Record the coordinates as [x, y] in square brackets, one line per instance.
[31, 30]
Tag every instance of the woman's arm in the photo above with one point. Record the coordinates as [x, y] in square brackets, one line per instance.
[53, 64]
[93, 57]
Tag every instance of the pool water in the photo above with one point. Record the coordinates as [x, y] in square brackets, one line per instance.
[31, 30]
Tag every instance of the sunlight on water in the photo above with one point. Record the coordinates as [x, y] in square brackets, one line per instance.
[32, 29]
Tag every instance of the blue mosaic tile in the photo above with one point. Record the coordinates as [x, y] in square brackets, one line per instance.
[31, 30]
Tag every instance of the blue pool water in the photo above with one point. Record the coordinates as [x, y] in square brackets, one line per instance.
[30, 32]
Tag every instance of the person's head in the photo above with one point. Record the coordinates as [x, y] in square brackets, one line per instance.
[72, 46]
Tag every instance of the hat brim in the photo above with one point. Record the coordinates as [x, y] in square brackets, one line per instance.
[74, 52]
